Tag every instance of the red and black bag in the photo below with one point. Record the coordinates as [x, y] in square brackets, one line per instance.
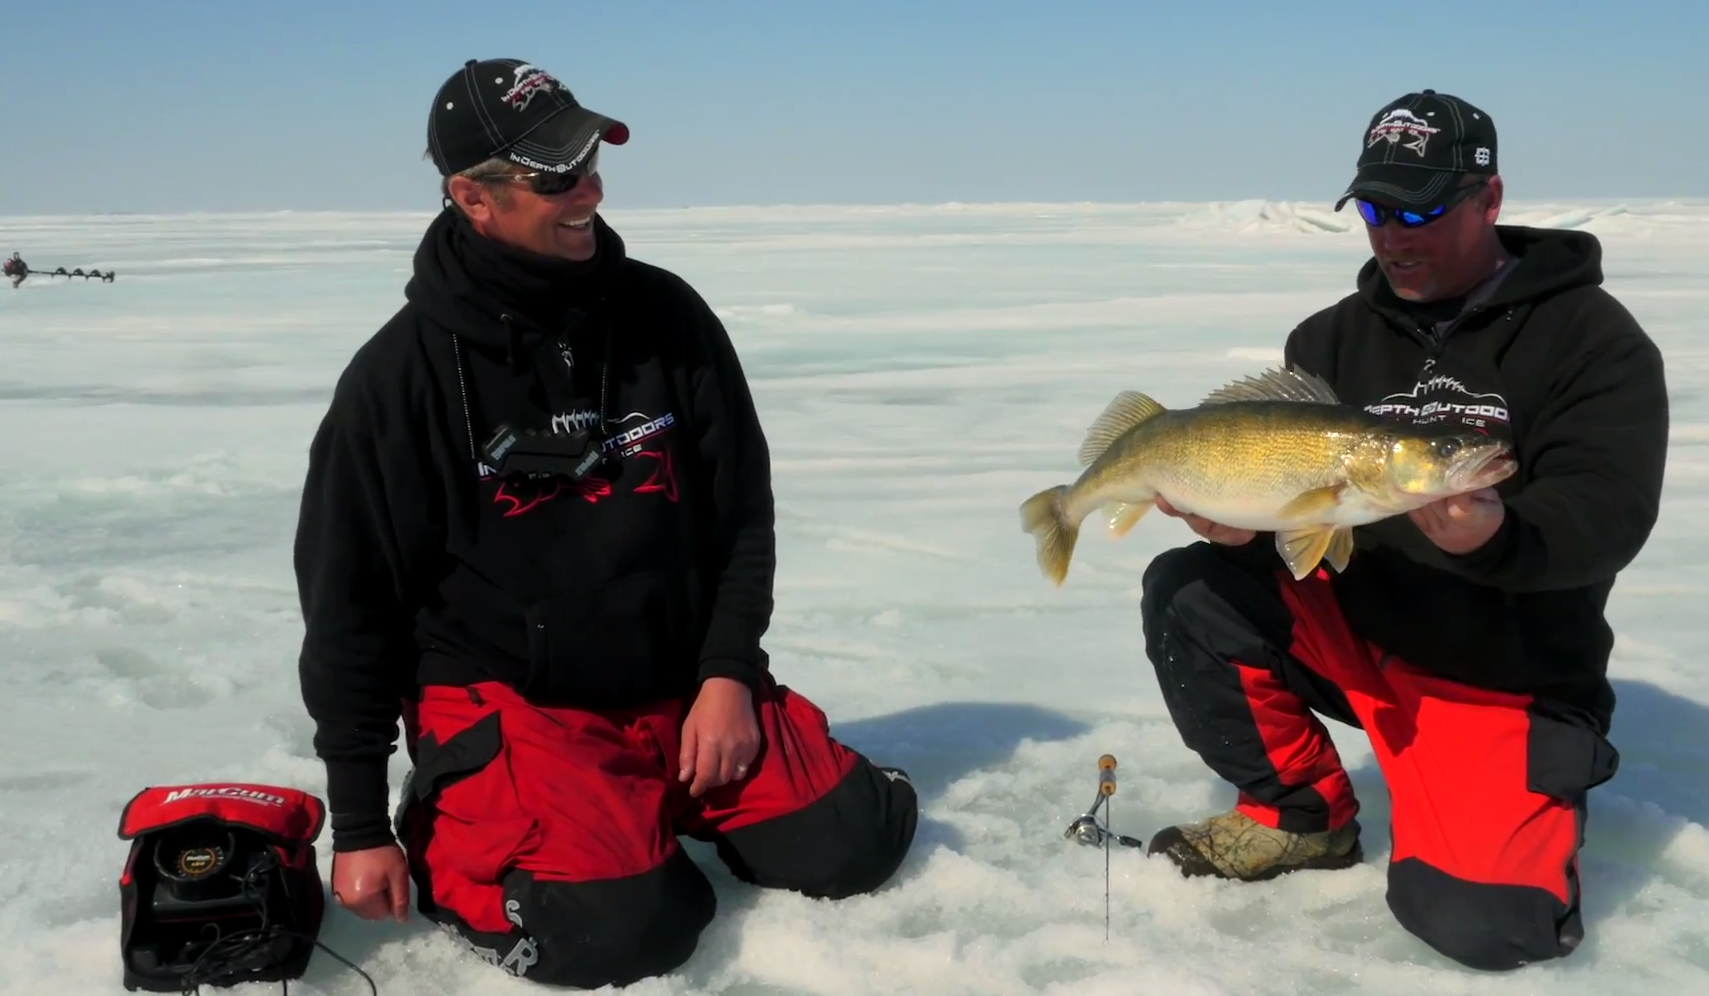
[221, 886]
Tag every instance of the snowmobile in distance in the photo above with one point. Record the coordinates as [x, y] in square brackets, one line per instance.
[15, 269]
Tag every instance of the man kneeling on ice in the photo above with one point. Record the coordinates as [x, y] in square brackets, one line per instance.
[1466, 638]
[538, 523]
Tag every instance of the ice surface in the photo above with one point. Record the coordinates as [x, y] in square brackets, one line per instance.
[921, 370]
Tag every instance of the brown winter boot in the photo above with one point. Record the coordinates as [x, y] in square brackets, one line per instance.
[1233, 845]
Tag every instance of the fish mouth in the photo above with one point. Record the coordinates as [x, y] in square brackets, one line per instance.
[1489, 465]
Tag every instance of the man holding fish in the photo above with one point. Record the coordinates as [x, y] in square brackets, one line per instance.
[1414, 530]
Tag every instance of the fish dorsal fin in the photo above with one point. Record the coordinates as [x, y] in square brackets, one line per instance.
[1278, 384]
[1127, 410]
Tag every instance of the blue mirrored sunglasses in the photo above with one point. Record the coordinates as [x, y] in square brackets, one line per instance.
[1376, 214]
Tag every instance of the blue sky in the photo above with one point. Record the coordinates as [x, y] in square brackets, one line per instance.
[176, 105]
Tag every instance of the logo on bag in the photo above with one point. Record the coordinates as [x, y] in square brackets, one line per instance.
[224, 792]
[194, 862]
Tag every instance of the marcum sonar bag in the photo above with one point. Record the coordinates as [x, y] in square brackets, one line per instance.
[221, 885]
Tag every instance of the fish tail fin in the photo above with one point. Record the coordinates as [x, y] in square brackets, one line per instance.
[1045, 517]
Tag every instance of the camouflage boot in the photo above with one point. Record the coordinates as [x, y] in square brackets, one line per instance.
[1233, 845]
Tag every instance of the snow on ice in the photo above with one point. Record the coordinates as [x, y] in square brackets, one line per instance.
[921, 369]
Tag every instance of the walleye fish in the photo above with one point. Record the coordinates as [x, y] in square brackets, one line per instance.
[1275, 453]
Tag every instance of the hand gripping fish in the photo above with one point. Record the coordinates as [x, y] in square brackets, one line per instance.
[1274, 453]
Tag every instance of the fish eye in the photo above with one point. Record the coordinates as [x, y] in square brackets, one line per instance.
[1447, 448]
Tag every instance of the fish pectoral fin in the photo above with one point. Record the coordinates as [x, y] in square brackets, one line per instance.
[1124, 514]
[1303, 549]
[1314, 504]
[1127, 410]
[1280, 384]
[1340, 549]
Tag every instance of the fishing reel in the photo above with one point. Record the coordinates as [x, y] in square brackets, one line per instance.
[1086, 829]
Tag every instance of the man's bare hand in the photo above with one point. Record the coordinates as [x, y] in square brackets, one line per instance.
[1461, 523]
[720, 736]
[1226, 535]
[372, 883]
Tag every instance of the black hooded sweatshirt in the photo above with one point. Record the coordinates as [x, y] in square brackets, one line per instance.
[1544, 357]
[417, 565]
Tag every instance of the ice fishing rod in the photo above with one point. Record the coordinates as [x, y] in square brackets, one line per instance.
[1087, 830]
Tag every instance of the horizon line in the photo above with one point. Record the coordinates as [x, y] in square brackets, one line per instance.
[1325, 205]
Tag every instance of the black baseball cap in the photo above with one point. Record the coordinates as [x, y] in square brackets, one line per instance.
[514, 109]
[1418, 147]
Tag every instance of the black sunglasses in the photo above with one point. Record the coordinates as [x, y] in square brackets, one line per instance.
[1376, 214]
[550, 184]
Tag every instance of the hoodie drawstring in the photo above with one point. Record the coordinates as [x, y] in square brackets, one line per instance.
[463, 390]
[519, 365]
[513, 345]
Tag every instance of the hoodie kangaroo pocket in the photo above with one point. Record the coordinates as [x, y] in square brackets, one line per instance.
[620, 644]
